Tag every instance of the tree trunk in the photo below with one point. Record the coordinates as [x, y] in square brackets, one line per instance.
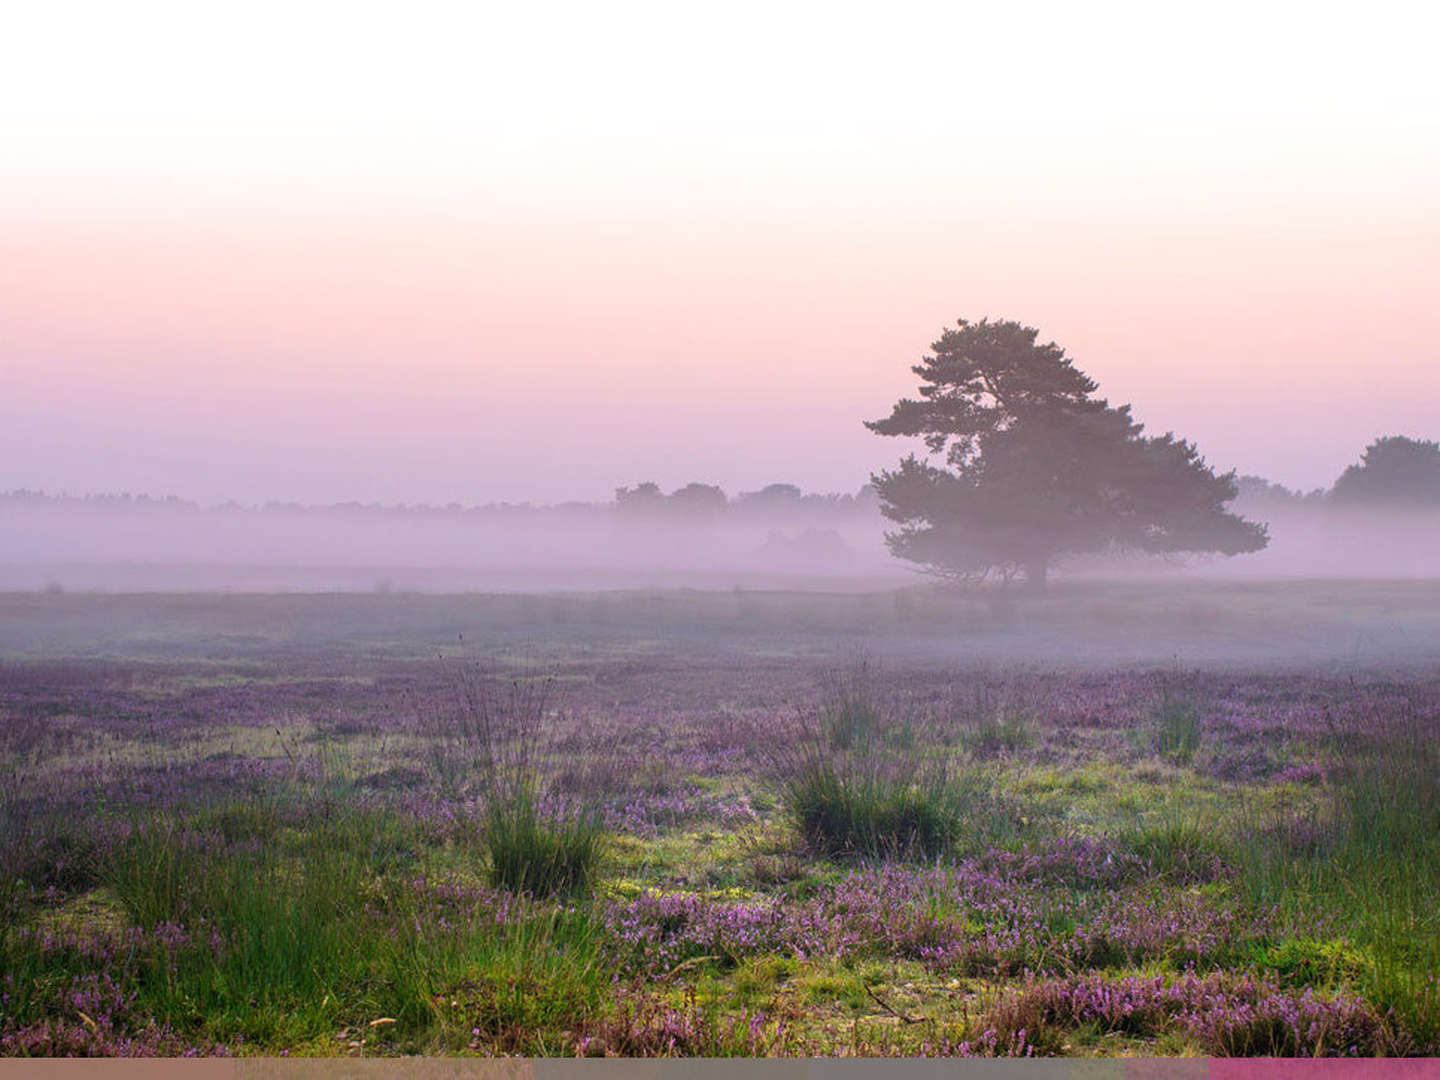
[1035, 574]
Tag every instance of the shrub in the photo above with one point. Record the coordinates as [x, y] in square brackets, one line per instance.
[65, 860]
[1301, 961]
[648, 1026]
[856, 783]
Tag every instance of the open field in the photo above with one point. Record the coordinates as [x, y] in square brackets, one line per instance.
[1119, 819]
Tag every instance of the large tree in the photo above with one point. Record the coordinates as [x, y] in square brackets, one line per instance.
[1032, 467]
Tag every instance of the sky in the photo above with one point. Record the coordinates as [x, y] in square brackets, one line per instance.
[435, 253]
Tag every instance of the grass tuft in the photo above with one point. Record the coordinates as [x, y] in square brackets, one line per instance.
[1001, 732]
[1177, 728]
[844, 813]
[1178, 850]
[541, 851]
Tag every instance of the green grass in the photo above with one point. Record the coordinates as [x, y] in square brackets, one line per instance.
[841, 814]
[905, 808]
[1179, 850]
[1369, 866]
[316, 930]
[1177, 728]
[538, 852]
[850, 722]
[1001, 732]
[328, 913]
[1388, 871]
[524, 989]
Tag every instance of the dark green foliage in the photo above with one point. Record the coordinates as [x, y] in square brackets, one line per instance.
[253, 820]
[855, 786]
[860, 782]
[1035, 468]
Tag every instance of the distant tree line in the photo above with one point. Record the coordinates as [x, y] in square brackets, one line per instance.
[706, 500]
[1395, 471]
[694, 500]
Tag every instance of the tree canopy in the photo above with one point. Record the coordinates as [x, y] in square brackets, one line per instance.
[1032, 467]
[1394, 470]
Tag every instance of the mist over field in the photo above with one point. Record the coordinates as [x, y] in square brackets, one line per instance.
[1338, 586]
[126, 545]
[538, 548]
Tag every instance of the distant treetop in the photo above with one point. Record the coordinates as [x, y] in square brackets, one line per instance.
[1395, 470]
[771, 495]
[1257, 489]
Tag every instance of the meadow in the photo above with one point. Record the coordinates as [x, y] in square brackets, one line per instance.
[1121, 819]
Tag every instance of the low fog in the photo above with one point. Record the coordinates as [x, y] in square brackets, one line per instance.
[830, 543]
[89, 544]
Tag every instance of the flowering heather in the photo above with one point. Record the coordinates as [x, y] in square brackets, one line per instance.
[643, 1026]
[962, 919]
[648, 815]
[263, 838]
[1223, 1014]
[57, 1037]
[94, 1016]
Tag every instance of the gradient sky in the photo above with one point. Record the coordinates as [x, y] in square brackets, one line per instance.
[428, 253]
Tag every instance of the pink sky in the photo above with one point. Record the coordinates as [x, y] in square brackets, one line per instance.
[318, 299]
